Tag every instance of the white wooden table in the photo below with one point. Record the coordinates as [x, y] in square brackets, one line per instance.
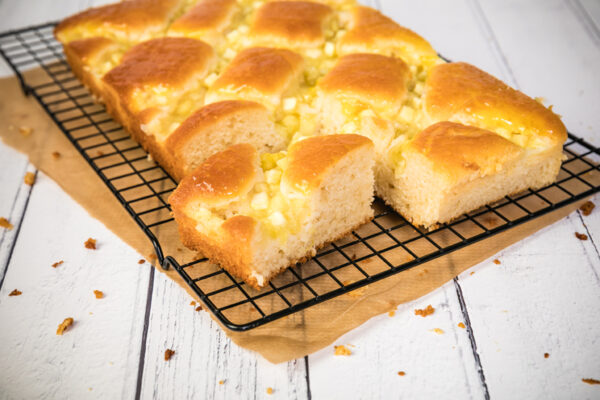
[544, 297]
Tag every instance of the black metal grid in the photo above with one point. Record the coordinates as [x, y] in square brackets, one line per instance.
[385, 246]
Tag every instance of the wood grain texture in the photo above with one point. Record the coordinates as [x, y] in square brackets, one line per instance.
[101, 350]
[436, 365]
[204, 356]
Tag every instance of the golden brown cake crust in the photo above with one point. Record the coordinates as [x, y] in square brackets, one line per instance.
[126, 16]
[456, 150]
[222, 177]
[266, 70]
[311, 158]
[206, 15]
[295, 20]
[374, 78]
[372, 29]
[462, 92]
[167, 61]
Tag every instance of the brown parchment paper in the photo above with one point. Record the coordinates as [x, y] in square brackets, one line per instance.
[288, 338]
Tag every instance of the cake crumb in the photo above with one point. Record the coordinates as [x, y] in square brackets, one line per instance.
[55, 155]
[587, 207]
[590, 381]
[497, 262]
[438, 331]
[29, 178]
[25, 130]
[193, 303]
[168, 354]
[425, 312]
[141, 261]
[472, 272]
[581, 236]
[221, 382]
[15, 292]
[90, 244]
[461, 325]
[99, 294]
[5, 224]
[341, 350]
[401, 373]
[199, 308]
[392, 313]
[269, 390]
[356, 292]
[56, 264]
[546, 355]
[62, 327]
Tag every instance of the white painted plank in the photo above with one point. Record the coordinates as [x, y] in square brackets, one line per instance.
[436, 365]
[204, 355]
[539, 300]
[101, 351]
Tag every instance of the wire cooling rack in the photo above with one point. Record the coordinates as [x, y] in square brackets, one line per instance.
[385, 246]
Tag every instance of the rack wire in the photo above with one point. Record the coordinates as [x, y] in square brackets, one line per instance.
[383, 247]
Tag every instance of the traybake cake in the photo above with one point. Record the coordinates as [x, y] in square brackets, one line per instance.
[278, 115]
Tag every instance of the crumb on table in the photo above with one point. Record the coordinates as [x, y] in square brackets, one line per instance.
[356, 292]
[401, 373]
[141, 261]
[99, 294]
[425, 312]
[461, 325]
[56, 264]
[341, 350]
[168, 354]
[5, 224]
[497, 262]
[546, 355]
[15, 292]
[587, 207]
[29, 178]
[581, 236]
[269, 390]
[55, 155]
[590, 381]
[62, 327]
[90, 244]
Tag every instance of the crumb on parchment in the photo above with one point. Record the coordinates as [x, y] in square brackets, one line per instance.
[5, 224]
[168, 354]
[438, 331]
[141, 261]
[99, 294]
[497, 262]
[581, 236]
[341, 350]
[199, 308]
[62, 327]
[25, 130]
[56, 264]
[269, 390]
[29, 178]
[90, 244]
[221, 382]
[461, 325]
[425, 312]
[546, 355]
[193, 303]
[392, 313]
[401, 373]
[15, 292]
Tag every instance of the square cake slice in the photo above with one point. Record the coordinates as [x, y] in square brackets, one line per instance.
[256, 215]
